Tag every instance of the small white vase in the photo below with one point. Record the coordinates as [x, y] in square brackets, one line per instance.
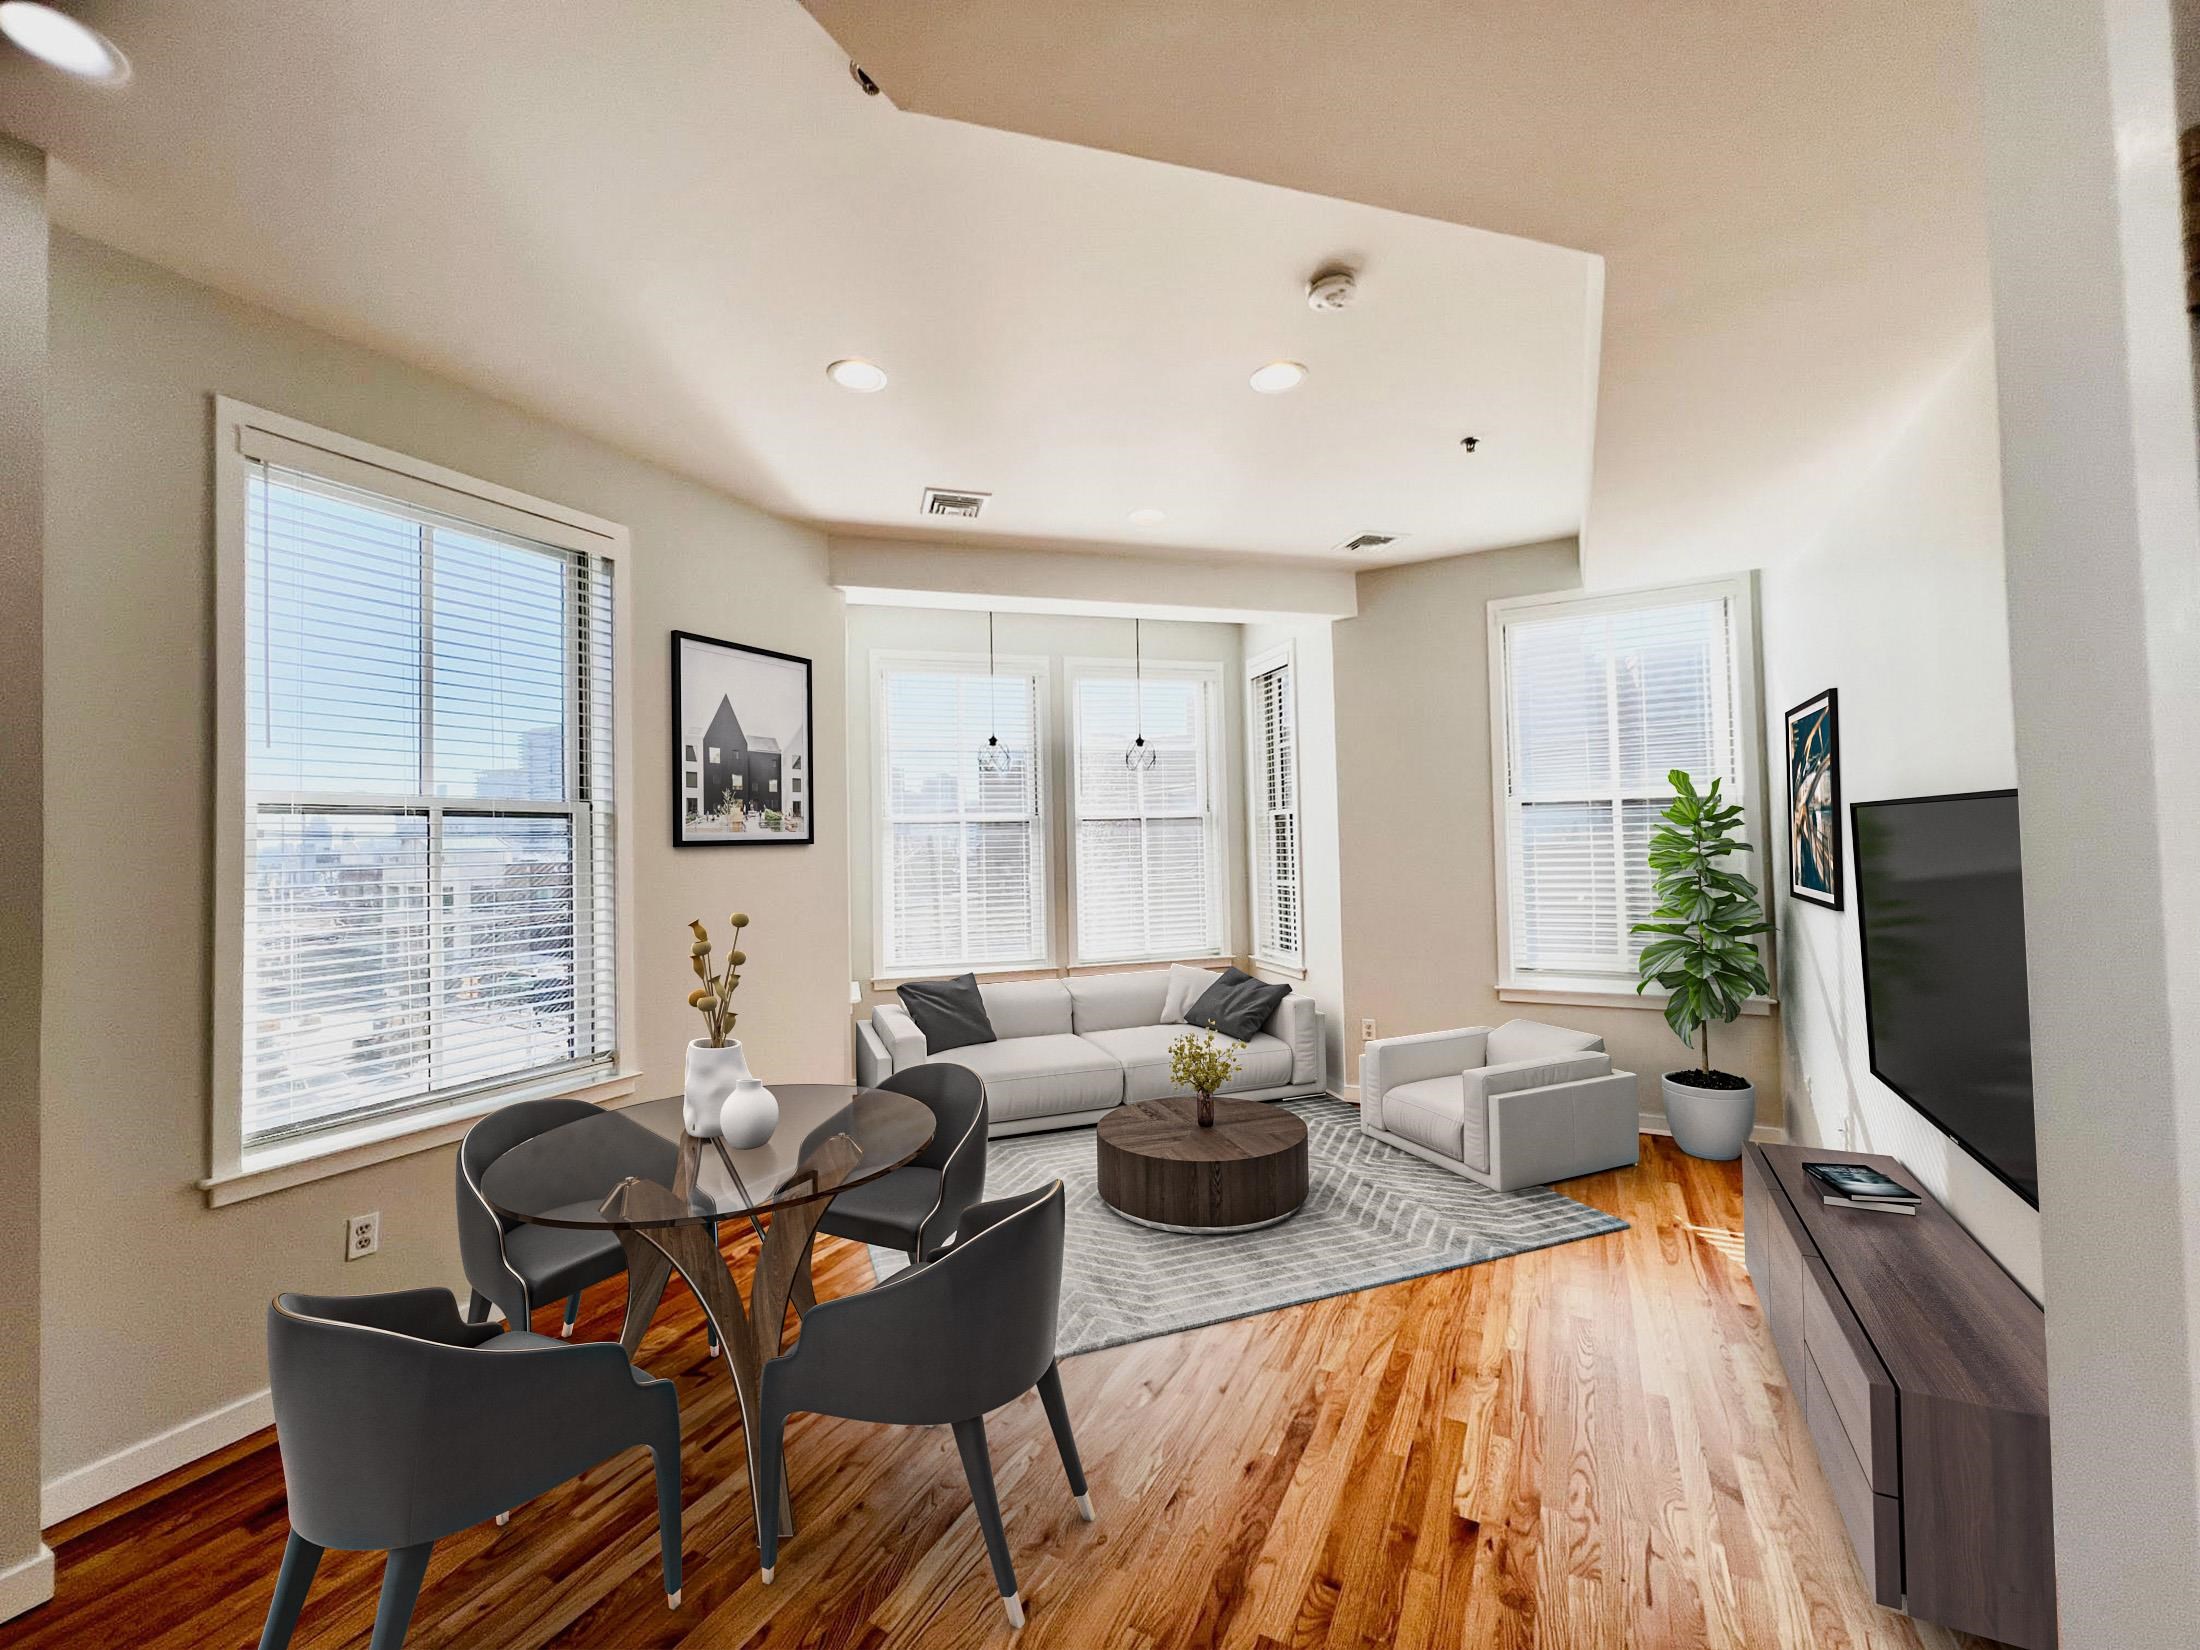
[724, 1098]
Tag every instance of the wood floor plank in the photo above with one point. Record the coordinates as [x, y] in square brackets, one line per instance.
[1588, 1446]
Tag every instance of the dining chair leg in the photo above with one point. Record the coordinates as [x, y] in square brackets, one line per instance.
[300, 1558]
[402, 1574]
[477, 1307]
[1050, 1394]
[572, 1314]
[667, 1460]
[771, 1472]
[978, 1468]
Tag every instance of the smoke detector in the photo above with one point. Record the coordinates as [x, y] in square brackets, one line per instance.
[951, 501]
[1332, 289]
[1365, 542]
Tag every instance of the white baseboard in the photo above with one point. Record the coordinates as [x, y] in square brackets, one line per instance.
[1765, 1134]
[26, 1585]
[146, 1460]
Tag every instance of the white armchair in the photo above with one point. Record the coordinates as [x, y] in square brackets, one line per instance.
[1522, 1104]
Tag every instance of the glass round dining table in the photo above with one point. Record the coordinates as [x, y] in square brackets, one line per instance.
[636, 1171]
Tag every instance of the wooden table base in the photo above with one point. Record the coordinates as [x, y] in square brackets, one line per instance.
[749, 1332]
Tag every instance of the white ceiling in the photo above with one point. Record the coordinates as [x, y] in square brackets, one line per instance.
[1787, 194]
[657, 221]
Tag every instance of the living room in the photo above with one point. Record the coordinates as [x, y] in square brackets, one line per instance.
[1139, 574]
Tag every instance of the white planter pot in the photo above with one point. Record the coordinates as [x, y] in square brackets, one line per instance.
[724, 1098]
[1711, 1123]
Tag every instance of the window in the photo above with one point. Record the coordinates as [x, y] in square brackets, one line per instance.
[420, 867]
[962, 855]
[1271, 751]
[1147, 852]
[1596, 699]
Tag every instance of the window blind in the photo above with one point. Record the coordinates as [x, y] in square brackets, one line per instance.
[429, 879]
[1272, 737]
[1601, 702]
[1145, 838]
[963, 878]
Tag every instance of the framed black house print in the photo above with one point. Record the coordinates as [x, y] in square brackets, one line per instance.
[743, 771]
[1814, 801]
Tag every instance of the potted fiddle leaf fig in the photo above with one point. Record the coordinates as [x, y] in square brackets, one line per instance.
[1702, 953]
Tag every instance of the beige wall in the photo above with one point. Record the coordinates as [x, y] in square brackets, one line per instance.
[1899, 605]
[1057, 640]
[153, 1302]
[1416, 824]
[26, 1570]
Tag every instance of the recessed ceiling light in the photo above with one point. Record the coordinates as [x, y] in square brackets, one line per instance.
[855, 373]
[57, 38]
[1278, 376]
[1148, 517]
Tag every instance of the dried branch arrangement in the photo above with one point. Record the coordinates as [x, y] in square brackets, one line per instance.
[714, 997]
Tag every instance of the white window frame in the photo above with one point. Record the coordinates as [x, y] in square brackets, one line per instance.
[884, 661]
[1257, 812]
[1214, 799]
[1515, 984]
[244, 434]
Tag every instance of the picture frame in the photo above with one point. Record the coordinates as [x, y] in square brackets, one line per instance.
[1815, 869]
[744, 762]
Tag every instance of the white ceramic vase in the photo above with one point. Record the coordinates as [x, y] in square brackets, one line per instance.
[724, 1098]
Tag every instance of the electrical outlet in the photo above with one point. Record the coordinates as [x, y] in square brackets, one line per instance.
[363, 1235]
[1367, 1031]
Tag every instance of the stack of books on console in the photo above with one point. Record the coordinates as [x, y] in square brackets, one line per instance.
[1853, 1186]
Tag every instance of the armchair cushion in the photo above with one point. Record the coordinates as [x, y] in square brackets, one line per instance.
[1430, 1113]
[1530, 1039]
[1390, 1062]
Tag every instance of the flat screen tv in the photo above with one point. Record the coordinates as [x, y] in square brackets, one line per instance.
[1940, 904]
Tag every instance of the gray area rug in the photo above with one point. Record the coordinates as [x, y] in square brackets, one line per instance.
[1373, 1215]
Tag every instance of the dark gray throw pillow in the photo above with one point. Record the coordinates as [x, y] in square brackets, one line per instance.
[950, 1013]
[1236, 1005]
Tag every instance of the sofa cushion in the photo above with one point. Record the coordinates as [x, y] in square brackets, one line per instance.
[1109, 1002]
[1533, 1040]
[950, 1013]
[1028, 1077]
[1186, 985]
[1432, 1114]
[1264, 1062]
[1027, 1008]
[1236, 1005]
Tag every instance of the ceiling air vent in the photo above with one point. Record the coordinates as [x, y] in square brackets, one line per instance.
[943, 501]
[1366, 542]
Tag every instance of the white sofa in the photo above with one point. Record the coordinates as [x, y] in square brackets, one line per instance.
[1522, 1104]
[1070, 1051]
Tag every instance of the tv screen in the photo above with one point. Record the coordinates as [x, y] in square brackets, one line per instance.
[1940, 904]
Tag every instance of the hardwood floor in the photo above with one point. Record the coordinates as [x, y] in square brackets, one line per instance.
[1587, 1446]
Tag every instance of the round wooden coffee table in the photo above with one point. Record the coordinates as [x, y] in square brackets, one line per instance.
[1160, 1168]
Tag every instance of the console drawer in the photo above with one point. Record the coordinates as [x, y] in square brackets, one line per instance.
[1856, 1383]
[1874, 1522]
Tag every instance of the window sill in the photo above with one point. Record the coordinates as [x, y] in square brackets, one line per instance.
[1049, 971]
[1603, 994]
[1287, 971]
[320, 1157]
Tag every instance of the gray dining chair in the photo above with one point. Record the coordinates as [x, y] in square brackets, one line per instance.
[511, 1264]
[942, 1343]
[917, 1207]
[399, 1423]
